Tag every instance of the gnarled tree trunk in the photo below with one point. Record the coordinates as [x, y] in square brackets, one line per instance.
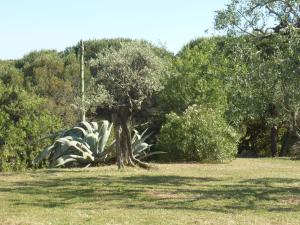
[118, 131]
[127, 134]
[122, 122]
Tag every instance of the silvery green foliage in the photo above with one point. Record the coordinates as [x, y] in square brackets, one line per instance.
[258, 17]
[96, 95]
[131, 73]
[140, 148]
[78, 146]
[105, 130]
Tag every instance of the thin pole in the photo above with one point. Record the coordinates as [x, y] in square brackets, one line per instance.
[82, 81]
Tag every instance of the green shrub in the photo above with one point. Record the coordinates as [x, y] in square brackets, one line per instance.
[23, 122]
[200, 134]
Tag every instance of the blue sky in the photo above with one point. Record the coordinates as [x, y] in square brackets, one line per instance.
[28, 25]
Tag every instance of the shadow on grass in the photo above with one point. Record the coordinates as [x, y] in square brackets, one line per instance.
[158, 192]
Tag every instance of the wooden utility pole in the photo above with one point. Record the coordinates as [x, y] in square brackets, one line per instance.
[82, 81]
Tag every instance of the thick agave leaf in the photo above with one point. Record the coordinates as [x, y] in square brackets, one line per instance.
[107, 150]
[82, 158]
[85, 147]
[77, 132]
[84, 152]
[92, 140]
[141, 147]
[140, 139]
[79, 149]
[145, 137]
[43, 155]
[61, 147]
[64, 146]
[85, 158]
[144, 132]
[61, 161]
[141, 136]
[87, 126]
[104, 133]
[51, 150]
[135, 137]
[94, 125]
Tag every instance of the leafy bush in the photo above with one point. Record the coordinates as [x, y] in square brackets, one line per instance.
[200, 134]
[23, 122]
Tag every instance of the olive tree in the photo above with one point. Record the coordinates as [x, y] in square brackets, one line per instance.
[266, 60]
[259, 17]
[127, 77]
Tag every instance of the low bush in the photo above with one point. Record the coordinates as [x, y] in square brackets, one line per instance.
[200, 134]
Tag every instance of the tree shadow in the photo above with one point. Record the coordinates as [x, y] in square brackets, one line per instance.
[159, 192]
[270, 181]
[168, 180]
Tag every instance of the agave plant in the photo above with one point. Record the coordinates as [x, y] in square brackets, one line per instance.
[140, 148]
[78, 146]
[85, 144]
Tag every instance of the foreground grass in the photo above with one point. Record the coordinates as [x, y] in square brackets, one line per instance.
[246, 191]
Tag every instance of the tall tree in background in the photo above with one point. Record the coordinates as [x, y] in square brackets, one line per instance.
[9, 75]
[47, 74]
[198, 78]
[259, 17]
[266, 60]
[126, 78]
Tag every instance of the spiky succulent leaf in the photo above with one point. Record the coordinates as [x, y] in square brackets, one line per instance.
[141, 147]
[78, 132]
[43, 155]
[61, 161]
[135, 137]
[138, 141]
[87, 126]
[92, 140]
[104, 133]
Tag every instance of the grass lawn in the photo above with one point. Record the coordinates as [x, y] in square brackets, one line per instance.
[245, 191]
